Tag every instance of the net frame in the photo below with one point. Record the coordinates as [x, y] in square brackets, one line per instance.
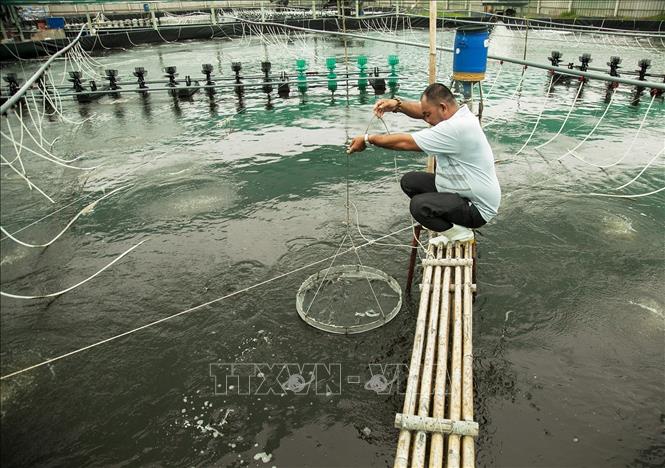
[347, 271]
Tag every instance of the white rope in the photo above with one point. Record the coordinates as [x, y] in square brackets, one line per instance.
[595, 126]
[64, 70]
[572, 106]
[396, 173]
[183, 142]
[626, 196]
[85, 68]
[47, 216]
[192, 309]
[578, 41]
[517, 89]
[632, 143]
[51, 155]
[54, 161]
[496, 78]
[369, 283]
[26, 179]
[642, 171]
[540, 114]
[334, 257]
[34, 123]
[85, 62]
[87, 210]
[98, 37]
[18, 147]
[171, 42]
[58, 108]
[16, 296]
[84, 53]
[362, 235]
[135, 45]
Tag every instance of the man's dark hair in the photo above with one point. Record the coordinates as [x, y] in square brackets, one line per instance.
[436, 93]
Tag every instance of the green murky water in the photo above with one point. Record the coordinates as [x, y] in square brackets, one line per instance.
[569, 321]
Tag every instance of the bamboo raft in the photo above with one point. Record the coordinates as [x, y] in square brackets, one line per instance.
[436, 424]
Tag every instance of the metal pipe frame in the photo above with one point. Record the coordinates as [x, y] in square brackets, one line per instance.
[293, 83]
[528, 63]
[14, 99]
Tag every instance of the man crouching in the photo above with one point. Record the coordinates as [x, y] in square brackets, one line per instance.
[464, 193]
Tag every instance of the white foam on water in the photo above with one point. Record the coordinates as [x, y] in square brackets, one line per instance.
[646, 307]
[10, 259]
[264, 457]
[618, 226]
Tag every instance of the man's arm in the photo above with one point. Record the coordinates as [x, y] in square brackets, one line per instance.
[410, 108]
[395, 141]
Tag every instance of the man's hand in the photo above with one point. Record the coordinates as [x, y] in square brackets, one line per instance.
[357, 144]
[384, 105]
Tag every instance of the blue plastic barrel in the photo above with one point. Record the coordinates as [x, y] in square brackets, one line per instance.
[55, 22]
[470, 53]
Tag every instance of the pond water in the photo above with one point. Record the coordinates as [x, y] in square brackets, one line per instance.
[569, 322]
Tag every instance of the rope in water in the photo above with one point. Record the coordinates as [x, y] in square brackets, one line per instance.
[642, 171]
[182, 142]
[85, 210]
[26, 179]
[494, 82]
[638, 195]
[385, 125]
[512, 96]
[195, 308]
[594, 128]
[570, 111]
[632, 143]
[59, 293]
[51, 155]
[54, 161]
[540, 114]
[18, 147]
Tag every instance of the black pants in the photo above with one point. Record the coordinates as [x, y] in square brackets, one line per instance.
[438, 210]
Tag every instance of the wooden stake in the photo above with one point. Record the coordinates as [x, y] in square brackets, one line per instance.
[436, 450]
[404, 442]
[456, 366]
[412, 258]
[468, 451]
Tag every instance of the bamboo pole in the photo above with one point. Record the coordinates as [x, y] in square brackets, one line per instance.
[412, 257]
[451, 288]
[433, 425]
[447, 262]
[420, 442]
[432, 64]
[436, 450]
[432, 41]
[456, 366]
[468, 452]
[404, 442]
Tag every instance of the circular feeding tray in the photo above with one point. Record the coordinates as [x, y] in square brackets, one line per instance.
[349, 299]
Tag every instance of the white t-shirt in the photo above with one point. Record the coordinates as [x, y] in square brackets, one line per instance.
[464, 160]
